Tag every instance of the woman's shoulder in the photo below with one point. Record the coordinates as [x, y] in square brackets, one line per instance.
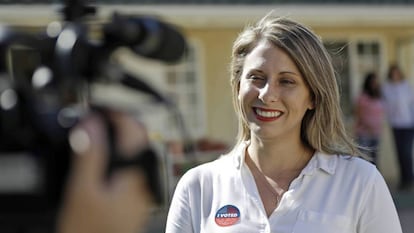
[221, 164]
[347, 170]
[356, 167]
[347, 166]
[355, 162]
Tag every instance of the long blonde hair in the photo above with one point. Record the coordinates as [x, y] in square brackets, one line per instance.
[322, 127]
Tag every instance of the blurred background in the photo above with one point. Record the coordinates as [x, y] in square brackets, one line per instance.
[362, 35]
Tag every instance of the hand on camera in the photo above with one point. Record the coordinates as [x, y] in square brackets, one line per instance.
[94, 203]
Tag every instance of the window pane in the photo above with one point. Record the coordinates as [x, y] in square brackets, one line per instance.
[184, 85]
[340, 59]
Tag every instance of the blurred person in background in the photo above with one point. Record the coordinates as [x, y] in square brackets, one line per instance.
[369, 116]
[92, 202]
[294, 168]
[399, 101]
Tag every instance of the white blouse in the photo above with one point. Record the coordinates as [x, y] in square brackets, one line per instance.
[332, 194]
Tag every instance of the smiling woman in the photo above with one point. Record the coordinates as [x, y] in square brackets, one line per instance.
[273, 94]
[294, 167]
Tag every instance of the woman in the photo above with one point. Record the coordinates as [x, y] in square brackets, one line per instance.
[292, 169]
[369, 116]
[399, 102]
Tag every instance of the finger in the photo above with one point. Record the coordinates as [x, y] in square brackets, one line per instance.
[131, 186]
[88, 141]
[131, 135]
[130, 197]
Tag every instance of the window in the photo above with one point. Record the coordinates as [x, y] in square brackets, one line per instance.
[340, 59]
[352, 60]
[368, 55]
[184, 87]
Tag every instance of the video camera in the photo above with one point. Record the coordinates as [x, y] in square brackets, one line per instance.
[38, 107]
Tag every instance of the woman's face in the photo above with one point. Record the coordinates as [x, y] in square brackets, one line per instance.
[273, 93]
[396, 75]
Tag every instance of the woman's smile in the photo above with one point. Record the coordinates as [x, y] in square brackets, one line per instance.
[266, 114]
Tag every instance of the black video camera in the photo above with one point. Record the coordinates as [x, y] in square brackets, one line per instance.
[38, 106]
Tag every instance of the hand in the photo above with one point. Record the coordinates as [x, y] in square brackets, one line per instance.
[93, 203]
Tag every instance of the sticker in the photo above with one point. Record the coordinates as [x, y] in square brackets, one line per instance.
[227, 215]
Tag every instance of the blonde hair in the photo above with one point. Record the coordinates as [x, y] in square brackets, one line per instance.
[322, 127]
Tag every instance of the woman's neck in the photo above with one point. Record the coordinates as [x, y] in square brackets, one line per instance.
[274, 159]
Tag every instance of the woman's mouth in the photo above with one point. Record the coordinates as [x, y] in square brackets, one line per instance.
[266, 115]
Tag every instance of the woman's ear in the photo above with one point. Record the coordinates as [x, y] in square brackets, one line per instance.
[312, 103]
[311, 106]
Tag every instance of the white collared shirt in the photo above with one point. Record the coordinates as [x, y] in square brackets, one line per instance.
[333, 194]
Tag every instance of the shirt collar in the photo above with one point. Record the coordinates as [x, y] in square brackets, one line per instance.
[239, 154]
[322, 161]
[319, 160]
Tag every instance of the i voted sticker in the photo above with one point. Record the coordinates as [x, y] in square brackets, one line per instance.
[227, 215]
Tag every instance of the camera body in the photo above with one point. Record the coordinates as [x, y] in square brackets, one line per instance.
[39, 104]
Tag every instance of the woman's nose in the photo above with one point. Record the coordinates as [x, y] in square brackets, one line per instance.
[268, 94]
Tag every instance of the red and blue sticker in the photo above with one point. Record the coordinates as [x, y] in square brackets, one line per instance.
[227, 215]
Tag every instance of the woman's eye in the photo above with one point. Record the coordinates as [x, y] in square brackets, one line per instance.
[255, 77]
[287, 81]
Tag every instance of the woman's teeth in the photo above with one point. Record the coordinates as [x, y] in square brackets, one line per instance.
[267, 113]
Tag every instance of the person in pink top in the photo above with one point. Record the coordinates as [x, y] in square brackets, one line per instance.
[369, 116]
